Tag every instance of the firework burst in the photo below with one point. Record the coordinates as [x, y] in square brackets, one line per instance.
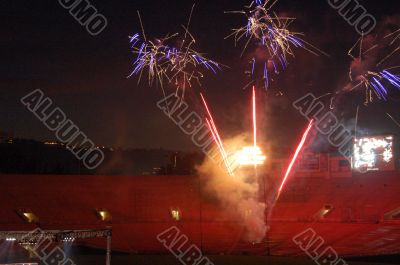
[272, 38]
[164, 62]
[373, 77]
[395, 37]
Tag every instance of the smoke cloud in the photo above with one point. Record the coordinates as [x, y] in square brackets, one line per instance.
[238, 194]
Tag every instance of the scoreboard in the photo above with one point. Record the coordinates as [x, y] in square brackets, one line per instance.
[373, 153]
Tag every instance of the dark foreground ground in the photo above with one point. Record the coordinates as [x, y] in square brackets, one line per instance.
[217, 260]
[87, 256]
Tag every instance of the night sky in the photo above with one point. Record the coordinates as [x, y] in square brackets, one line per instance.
[43, 46]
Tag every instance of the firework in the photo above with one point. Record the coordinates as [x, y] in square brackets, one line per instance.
[251, 155]
[295, 155]
[375, 79]
[163, 61]
[271, 36]
[395, 36]
[254, 118]
[216, 137]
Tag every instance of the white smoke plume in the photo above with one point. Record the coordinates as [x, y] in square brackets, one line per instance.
[238, 194]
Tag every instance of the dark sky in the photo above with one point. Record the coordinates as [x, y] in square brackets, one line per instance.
[44, 47]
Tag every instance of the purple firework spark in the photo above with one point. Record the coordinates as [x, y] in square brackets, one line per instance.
[271, 35]
[167, 63]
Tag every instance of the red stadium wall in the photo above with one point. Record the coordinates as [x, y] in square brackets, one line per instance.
[140, 209]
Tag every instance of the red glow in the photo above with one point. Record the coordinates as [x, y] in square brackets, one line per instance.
[299, 148]
[254, 117]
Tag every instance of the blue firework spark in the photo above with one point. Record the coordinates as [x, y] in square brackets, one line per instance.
[269, 32]
[165, 63]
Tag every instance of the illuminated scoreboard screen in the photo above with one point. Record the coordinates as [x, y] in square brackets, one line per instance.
[374, 153]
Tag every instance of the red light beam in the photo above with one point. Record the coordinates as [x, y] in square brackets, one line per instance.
[298, 150]
[254, 117]
[216, 137]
